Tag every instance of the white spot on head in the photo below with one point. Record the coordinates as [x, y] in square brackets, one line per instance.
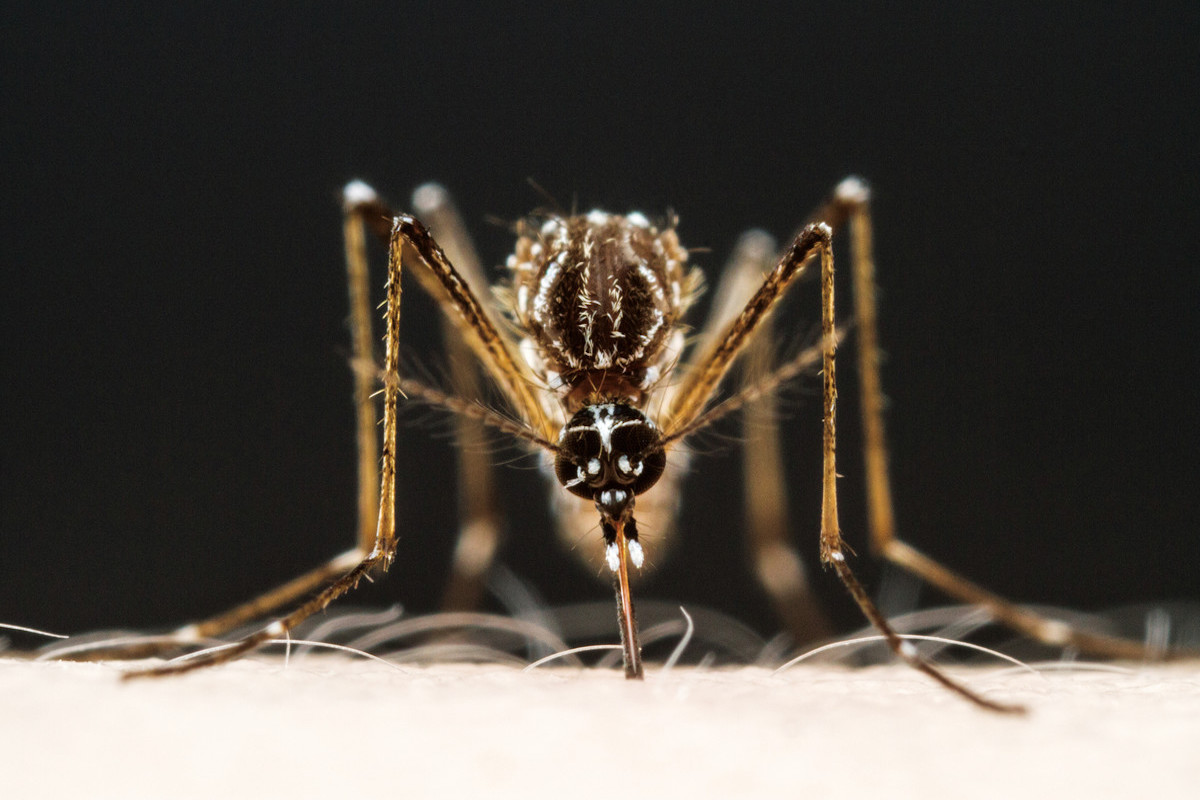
[610, 497]
[852, 190]
[597, 217]
[638, 219]
[356, 193]
[430, 197]
[626, 466]
[550, 226]
[613, 556]
[636, 554]
[602, 419]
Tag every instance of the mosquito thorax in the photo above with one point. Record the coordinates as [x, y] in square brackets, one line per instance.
[609, 453]
[599, 298]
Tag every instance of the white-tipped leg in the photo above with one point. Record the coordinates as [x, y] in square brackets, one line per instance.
[480, 529]
[430, 198]
[853, 190]
[356, 193]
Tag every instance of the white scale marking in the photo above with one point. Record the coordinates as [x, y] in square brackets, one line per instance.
[636, 554]
[549, 277]
[628, 467]
[612, 554]
[653, 281]
[602, 418]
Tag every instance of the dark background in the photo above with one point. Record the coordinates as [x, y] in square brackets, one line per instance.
[177, 432]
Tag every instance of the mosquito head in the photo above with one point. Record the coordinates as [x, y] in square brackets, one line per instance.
[609, 453]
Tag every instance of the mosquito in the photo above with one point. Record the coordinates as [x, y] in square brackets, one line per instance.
[585, 345]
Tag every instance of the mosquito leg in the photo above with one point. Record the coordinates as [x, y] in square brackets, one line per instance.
[475, 324]
[832, 550]
[778, 565]
[264, 604]
[479, 517]
[383, 544]
[359, 204]
[360, 207]
[450, 286]
[852, 199]
[480, 530]
[706, 372]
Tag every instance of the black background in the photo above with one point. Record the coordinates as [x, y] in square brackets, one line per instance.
[177, 432]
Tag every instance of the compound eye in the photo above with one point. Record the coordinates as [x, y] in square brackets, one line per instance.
[645, 471]
[590, 472]
[579, 476]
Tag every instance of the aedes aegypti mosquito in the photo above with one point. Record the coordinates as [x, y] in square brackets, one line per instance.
[585, 345]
